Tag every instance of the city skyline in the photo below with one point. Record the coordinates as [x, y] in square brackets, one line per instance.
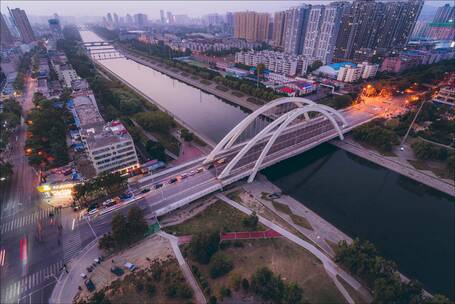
[152, 8]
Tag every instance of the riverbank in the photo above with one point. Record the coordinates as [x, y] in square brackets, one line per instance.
[398, 165]
[207, 86]
[203, 138]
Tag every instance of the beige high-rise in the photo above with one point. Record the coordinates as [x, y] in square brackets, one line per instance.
[251, 26]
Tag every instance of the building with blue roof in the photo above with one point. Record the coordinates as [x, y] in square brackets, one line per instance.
[331, 70]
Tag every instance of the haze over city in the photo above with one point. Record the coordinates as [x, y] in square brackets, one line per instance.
[227, 152]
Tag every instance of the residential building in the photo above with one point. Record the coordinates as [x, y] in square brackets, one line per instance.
[6, 38]
[446, 95]
[379, 26]
[42, 87]
[140, 20]
[277, 62]
[252, 26]
[279, 23]
[444, 14]
[55, 28]
[332, 70]
[398, 64]
[295, 27]
[321, 32]
[23, 25]
[368, 70]
[170, 18]
[67, 75]
[109, 147]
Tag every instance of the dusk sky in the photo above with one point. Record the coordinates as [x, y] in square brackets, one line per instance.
[152, 8]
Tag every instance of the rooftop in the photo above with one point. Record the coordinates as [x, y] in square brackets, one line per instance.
[338, 65]
[101, 134]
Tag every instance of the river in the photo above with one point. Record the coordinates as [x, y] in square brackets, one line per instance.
[408, 222]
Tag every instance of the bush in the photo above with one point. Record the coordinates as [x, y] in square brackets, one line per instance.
[150, 288]
[225, 292]
[245, 284]
[251, 221]
[235, 280]
[425, 151]
[203, 246]
[267, 285]
[220, 264]
[376, 135]
[213, 300]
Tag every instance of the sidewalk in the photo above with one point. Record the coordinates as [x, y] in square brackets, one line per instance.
[394, 164]
[198, 294]
[67, 285]
[332, 269]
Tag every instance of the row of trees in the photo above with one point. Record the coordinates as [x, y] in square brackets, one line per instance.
[10, 118]
[338, 101]
[247, 87]
[160, 49]
[46, 145]
[22, 70]
[101, 186]
[381, 275]
[375, 134]
[114, 99]
[125, 230]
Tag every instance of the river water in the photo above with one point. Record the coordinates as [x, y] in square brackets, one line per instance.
[408, 222]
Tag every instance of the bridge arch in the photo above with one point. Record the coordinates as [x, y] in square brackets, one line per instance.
[282, 122]
[234, 134]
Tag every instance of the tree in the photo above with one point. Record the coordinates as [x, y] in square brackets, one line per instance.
[107, 242]
[314, 66]
[266, 284]
[251, 221]
[220, 264]
[186, 135]
[6, 170]
[245, 284]
[203, 246]
[293, 294]
[136, 223]
[260, 68]
[120, 231]
[156, 150]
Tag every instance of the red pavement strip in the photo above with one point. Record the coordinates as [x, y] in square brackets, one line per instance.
[243, 235]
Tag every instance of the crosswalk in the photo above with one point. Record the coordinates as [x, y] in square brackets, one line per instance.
[13, 291]
[71, 245]
[25, 220]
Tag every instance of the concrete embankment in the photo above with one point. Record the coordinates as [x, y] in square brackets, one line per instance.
[392, 163]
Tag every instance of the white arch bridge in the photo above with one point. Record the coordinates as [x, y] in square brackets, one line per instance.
[281, 129]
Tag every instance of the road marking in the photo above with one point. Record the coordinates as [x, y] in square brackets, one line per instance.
[2, 257]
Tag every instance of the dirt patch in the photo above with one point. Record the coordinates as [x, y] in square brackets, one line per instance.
[292, 262]
[238, 94]
[222, 88]
[204, 81]
[153, 247]
[255, 101]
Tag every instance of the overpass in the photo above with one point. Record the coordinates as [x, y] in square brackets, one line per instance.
[257, 142]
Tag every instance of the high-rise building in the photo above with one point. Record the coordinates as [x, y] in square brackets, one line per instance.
[279, 29]
[128, 19]
[23, 25]
[162, 17]
[321, 32]
[6, 38]
[116, 21]
[109, 19]
[55, 28]
[170, 18]
[295, 28]
[376, 26]
[140, 20]
[444, 14]
[251, 26]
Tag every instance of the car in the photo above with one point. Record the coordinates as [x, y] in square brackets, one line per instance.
[199, 170]
[172, 180]
[126, 195]
[157, 186]
[97, 260]
[117, 271]
[93, 211]
[83, 275]
[221, 161]
[145, 190]
[89, 284]
[210, 166]
[402, 148]
[184, 175]
[109, 202]
[130, 266]
[89, 269]
[192, 173]
[92, 206]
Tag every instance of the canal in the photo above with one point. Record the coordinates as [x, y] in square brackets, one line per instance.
[408, 222]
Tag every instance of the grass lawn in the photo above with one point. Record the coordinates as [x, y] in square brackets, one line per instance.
[217, 217]
[238, 94]
[222, 88]
[205, 81]
[440, 172]
[297, 219]
[292, 262]
[255, 101]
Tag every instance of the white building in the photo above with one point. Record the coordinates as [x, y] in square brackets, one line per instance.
[368, 70]
[277, 62]
[109, 147]
[67, 76]
[352, 73]
[446, 95]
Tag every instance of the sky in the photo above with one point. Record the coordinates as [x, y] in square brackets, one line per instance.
[152, 8]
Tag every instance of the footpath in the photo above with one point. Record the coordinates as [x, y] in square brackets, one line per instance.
[396, 164]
